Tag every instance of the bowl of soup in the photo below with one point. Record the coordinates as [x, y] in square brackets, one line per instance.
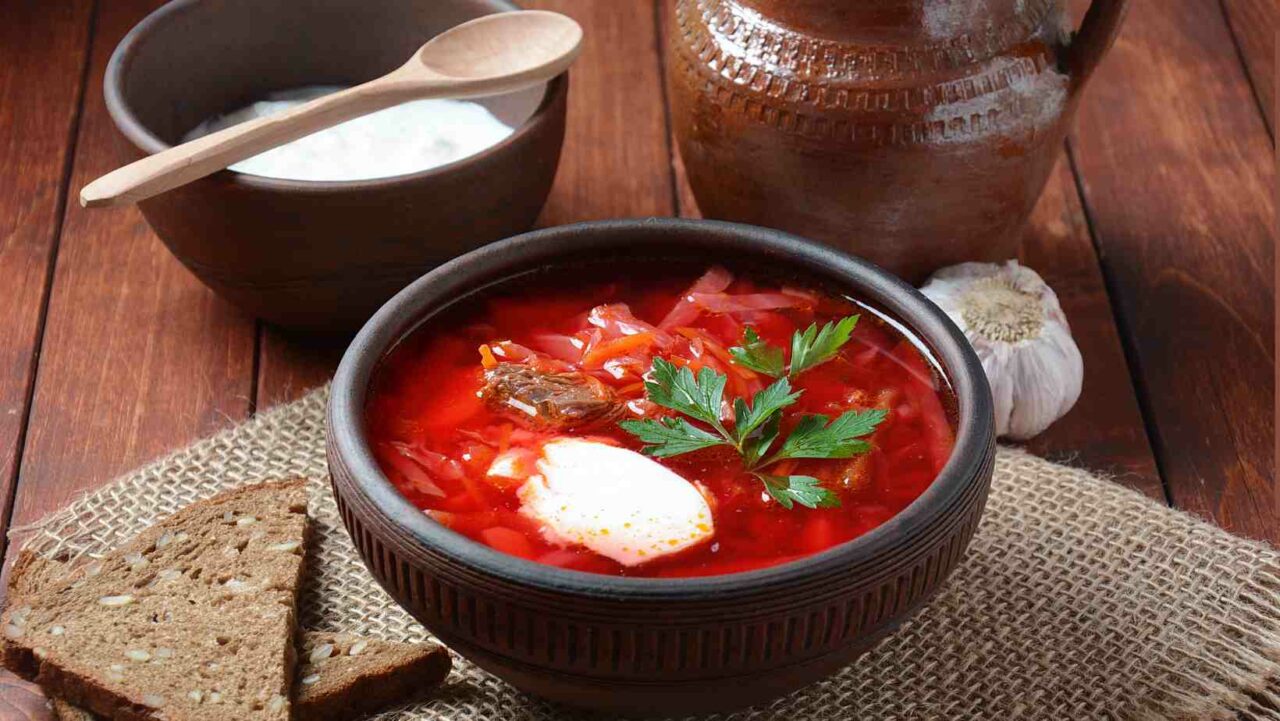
[660, 466]
[317, 235]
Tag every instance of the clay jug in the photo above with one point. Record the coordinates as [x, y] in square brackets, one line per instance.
[913, 133]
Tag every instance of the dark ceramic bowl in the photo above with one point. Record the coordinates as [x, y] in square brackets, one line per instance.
[641, 645]
[319, 256]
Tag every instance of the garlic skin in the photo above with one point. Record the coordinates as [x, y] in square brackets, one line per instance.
[1014, 322]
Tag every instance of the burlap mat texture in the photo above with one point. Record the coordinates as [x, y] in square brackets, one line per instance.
[1078, 599]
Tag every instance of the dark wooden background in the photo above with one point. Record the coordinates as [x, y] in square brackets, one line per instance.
[1156, 229]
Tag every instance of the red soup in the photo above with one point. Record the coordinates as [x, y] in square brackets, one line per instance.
[660, 426]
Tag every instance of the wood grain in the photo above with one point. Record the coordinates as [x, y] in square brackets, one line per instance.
[289, 365]
[1177, 168]
[1104, 431]
[1254, 25]
[614, 163]
[138, 356]
[42, 52]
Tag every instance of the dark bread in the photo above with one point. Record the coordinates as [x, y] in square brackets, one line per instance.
[340, 676]
[335, 684]
[192, 620]
[344, 677]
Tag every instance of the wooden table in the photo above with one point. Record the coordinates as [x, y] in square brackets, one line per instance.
[1156, 229]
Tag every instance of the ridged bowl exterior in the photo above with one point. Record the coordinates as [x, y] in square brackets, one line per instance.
[659, 646]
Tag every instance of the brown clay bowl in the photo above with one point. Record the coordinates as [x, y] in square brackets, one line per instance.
[319, 256]
[659, 646]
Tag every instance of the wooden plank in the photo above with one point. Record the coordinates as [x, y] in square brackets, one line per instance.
[1254, 24]
[614, 163]
[289, 366]
[1177, 169]
[43, 49]
[1104, 431]
[138, 356]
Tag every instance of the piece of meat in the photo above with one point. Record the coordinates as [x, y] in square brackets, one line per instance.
[542, 400]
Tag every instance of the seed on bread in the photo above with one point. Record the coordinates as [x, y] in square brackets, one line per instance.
[321, 652]
[121, 600]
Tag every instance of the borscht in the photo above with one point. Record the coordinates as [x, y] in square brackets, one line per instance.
[658, 423]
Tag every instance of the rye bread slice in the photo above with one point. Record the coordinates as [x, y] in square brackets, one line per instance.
[339, 677]
[192, 620]
[342, 677]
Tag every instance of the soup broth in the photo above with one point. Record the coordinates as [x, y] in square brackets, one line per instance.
[471, 413]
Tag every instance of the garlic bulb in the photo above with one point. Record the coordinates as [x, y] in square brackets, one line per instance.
[1014, 322]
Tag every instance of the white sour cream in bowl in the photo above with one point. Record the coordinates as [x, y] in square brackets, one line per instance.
[400, 140]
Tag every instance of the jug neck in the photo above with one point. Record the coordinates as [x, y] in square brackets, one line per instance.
[888, 22]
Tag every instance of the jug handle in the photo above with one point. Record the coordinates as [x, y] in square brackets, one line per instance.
[1097, 32]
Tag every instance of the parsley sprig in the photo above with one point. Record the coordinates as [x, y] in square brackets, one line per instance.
[756, 424]
[810, 347]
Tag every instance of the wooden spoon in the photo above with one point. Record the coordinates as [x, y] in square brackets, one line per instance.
[490, 55]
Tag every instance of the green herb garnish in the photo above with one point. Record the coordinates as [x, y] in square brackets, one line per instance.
[805, 490]
[758, 355]
[754, 431]
[810, 347]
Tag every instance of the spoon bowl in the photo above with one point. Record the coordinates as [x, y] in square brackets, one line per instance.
[514, 50]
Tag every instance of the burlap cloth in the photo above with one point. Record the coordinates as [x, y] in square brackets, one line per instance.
[1078, 599]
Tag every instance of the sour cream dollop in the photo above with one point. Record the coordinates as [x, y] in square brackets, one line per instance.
[408, 138]
[614, 501]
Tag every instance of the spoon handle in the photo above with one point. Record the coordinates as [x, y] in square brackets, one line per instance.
[208, 154]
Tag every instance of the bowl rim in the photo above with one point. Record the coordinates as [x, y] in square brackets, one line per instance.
[494, 263]
[127, 122]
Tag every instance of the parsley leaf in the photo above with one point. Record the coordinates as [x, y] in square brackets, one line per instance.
[764, 405]
[758, 444]
[758, 355]
[814, 346]
[698, 397]
[670, 436]
[810, 347]
[814, 437]
[805, 490]
[756, 425]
